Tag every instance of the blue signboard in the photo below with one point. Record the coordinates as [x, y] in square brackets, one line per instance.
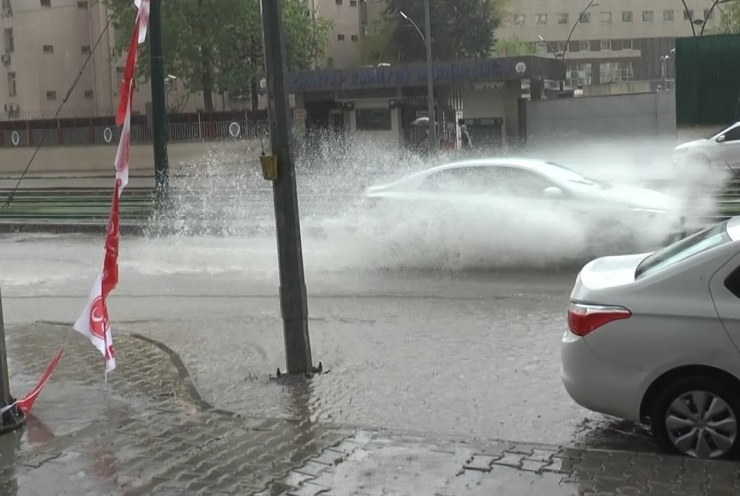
[458, 72]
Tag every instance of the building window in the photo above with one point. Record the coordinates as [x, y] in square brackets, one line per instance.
[48, 48]
[688, 15]
[667, 16]
[542, 48]
[627, 16]
[708, 15]
[647, 16]
[585, 18]
[340, 37]
[46, 3]
[373, 120]
[616, 72]
[579, 75]
[606, 45]
[518, 19]
[89, 94]
[339, 2]
[355, 37]
[606, 17]
[12, 88]
[51, 95]
[82, 4]
[561, 46]
[540, 19]
[584, 46]
[628, 45]
[562, 19]
[6, 4]
[9, 40]
[85, 50]
[353, 3]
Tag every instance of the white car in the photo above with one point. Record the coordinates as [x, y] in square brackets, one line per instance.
[718, 150]
[654, 338]
[608, 212]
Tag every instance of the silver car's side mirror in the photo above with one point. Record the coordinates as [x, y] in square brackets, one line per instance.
[553, 192]
[721, 138]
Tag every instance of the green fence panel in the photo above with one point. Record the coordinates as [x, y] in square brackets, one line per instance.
[707, 80]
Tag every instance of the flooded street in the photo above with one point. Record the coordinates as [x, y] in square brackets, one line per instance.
[471, 353]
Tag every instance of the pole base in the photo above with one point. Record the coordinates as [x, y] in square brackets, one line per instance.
[314, 371]
[12, 420]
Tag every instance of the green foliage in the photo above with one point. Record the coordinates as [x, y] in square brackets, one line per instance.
[216, 45]
[378, 47]
[514, 47]
[460, 28]
[728, 13]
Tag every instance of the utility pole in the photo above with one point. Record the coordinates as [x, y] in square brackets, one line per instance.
[293, 300]
[159, 102]
[430, 80]
[13, 418]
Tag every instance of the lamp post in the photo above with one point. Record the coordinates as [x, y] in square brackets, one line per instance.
[592, 3]
[430, 73]
[168, 81]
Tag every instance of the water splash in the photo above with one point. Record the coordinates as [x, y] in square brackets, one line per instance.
[225, 196]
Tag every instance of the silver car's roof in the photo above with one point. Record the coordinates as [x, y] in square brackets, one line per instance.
[528, 163]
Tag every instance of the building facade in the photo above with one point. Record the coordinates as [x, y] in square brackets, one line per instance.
[615, 43]
[45, 44]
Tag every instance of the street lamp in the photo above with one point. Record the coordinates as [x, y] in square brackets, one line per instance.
[430, 73]
[592, 3]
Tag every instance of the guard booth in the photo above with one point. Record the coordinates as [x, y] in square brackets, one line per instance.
[485, 132]
[378, 104]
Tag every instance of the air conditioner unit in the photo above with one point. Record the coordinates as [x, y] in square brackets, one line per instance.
[5, 58]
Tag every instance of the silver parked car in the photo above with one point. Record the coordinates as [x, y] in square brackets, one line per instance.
[654, 338]
[608, 213]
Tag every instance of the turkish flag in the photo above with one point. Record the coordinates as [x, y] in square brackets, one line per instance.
[94, 323]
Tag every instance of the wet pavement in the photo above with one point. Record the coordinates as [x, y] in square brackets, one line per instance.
[148, 432]
[472, 354]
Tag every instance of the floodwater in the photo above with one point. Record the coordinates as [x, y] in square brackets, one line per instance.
[429, 321]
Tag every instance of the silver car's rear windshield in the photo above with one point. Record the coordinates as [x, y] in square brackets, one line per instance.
[686, 248]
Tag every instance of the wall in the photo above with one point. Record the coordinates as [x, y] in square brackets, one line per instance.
[617, 88]
[99, 159]
[633, 115]
[483, 103]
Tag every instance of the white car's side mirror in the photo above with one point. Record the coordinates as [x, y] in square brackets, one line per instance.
[553, 192]
[721, 138]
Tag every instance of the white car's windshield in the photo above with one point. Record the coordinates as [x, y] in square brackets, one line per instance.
[684, 249]
[564, 174]
[721, 131]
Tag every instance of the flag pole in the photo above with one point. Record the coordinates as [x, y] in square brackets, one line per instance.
[12, 418]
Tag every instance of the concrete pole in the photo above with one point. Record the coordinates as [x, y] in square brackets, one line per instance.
[430, 80]
[13, 418]
[159, 101]
[293, 300]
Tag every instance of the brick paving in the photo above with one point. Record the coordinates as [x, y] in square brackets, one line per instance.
[148, 432]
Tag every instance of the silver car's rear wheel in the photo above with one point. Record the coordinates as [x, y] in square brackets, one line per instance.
[701, 424]
[697, 417]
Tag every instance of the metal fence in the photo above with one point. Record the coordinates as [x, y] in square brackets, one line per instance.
[140, 133]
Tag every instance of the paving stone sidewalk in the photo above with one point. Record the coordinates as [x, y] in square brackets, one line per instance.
[147, 431]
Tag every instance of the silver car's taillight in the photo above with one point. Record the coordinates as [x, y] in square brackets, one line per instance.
[584, 319]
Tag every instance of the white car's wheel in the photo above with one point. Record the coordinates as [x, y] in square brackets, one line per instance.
[697, 417]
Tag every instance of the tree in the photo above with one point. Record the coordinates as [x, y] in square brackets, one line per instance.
[729, 17]
[460, 28]
[216, 45]
[378, 47]
[514, 47]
